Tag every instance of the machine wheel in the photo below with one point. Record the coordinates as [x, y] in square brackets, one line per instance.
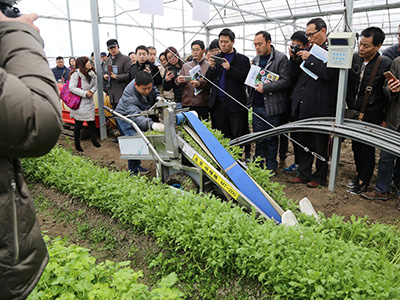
[183, 182]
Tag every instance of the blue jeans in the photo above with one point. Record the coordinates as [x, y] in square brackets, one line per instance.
[128, 130]
[267, 148]
[385, 170]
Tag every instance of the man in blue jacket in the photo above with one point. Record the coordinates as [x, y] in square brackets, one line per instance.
[228, 115]
[139, 95]
[61, 72]
[270, 99]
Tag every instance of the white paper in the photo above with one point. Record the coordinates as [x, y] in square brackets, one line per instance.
[153, 7]
[251, 76]
[319, 53]
[308, 72]
[201, 11]
[195, 74]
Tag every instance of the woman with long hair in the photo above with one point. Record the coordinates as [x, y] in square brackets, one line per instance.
[173, 70]
[84, 76]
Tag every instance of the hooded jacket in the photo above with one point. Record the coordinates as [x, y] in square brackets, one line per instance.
[30, 126]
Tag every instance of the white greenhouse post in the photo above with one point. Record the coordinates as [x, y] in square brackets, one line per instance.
[115, 20]
[96, 46]
[70, 29]
[341, 105]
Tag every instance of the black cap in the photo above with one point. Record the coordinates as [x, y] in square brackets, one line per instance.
[112, 43]
[102, 54]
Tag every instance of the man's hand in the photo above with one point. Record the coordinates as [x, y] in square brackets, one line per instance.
[259, 88]
[195, 83]
[180, 79]
[394, 85]
[226, 65]
[89, 94]
[303, 54]
[113, 76]
[105, 77]
[27, 19]
[158, 126]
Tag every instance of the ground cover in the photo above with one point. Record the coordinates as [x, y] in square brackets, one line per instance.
[327, 260]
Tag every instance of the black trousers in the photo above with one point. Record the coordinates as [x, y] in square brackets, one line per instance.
[364, 155]
[231, 124]
[317, 143]
[202, 111]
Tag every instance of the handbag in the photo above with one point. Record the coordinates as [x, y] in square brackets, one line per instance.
[354, 114]
[70, 99]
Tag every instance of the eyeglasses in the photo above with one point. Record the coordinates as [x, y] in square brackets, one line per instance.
[312, 34]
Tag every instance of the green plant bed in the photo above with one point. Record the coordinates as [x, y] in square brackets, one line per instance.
[331, 260]
[72, 273]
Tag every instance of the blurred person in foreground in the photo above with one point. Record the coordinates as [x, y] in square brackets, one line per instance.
[31, 129]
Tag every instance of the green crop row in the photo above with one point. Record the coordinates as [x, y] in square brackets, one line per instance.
[72, 273]
[331, 260]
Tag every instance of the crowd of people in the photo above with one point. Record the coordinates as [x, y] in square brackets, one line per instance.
[221, 95]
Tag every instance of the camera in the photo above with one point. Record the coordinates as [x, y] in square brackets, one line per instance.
[294, 49]
[7, 8]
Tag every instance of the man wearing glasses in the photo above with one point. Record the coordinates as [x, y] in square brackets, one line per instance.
[313, 98]
[196, 90]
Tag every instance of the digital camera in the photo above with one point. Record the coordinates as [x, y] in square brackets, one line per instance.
[8, 9]
[294, 49]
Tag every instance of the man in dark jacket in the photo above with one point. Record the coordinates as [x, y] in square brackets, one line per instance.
[269, 99]
[359, 76]
[139, 95]
[61, 72]
[228, 77]
[30, 127]
[117, 72]
[393, 51]
[143, 64]
[386, 160]
[313, 98]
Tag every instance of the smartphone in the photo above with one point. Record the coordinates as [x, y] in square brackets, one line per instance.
[389, 75]
[187, 78]
[147, 66]
[218, 59]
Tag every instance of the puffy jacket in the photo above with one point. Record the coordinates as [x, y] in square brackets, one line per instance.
[132, 103]
[276, 94]
[30, 126]
[188, 97]
[393, 113]
[392, 52]
[377, 101]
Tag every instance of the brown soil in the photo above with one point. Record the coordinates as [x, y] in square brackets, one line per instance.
[338, 202]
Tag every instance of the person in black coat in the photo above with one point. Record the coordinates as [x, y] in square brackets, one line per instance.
[228, 77]
[143, 64]
[359, 76]
[313, 98]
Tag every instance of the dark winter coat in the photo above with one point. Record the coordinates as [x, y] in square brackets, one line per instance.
[30, 127]
[155, 72]
[235, 78]
[392, 52]
[276, 95]
[393, 113]
[378, 101]
[314, 98]
[169, 85]
[117, 86]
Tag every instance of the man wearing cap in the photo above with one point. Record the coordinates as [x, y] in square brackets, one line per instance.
[116, 73]
[103, 58]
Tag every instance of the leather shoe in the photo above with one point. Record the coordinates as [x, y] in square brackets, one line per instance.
[312, 184]
[296, 180]
[374, 195]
